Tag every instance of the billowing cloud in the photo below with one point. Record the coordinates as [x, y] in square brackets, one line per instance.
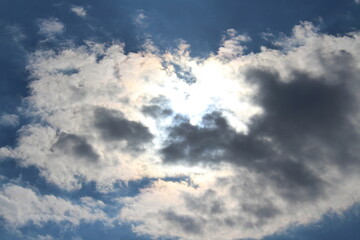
[232, 46]
[297, 159]
[228, 204]
[20, 206]
[265, 140]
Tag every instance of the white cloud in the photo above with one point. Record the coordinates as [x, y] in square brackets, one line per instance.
[9, 120]
[76, 88]
[232, 45]
[79, 10]
[20, 206]
[71, 85]
[233, 204]
[50, 27]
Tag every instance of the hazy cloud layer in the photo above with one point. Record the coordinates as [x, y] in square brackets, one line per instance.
[265, 140]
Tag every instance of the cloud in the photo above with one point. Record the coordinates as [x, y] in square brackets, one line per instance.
[50, 27]
[79, 10]
[232, 204]
[44, 237]
[140, 19]
[9, 120]
[114, 127]
[93, 117]
[75, 145]
[231, 46]
[265, 140]
[307, 124]
[298, 114]
[20, 206]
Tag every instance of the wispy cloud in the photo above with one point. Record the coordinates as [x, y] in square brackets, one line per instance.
[140, 19]
[10, 120]
[79, 10]
[50, 27]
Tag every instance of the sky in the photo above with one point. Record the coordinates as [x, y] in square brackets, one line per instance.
[180, 120]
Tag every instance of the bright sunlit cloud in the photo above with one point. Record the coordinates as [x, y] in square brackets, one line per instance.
[230, 145]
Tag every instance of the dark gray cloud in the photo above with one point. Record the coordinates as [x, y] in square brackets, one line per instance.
[307, 114]
[211, 205]
[208, 203]
[262, 211]
[186, 223]
[156, 111]
[77, 146]
[114, 127]
[305, 121]
[211, 145]
[157, 108]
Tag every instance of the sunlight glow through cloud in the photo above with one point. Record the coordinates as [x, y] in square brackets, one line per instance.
[231, 145]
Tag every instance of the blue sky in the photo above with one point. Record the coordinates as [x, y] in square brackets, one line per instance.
[179, 119]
